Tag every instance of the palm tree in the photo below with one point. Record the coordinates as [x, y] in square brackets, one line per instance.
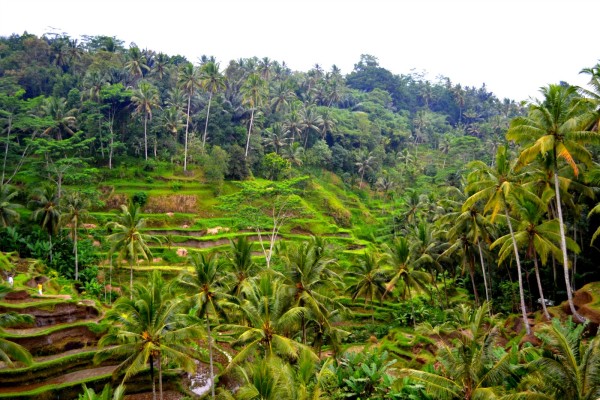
[555, 128]
[137, 63]
[127, 238]
[8, 213]
[364, 163]
[212, 81]
[398, 258]
[190, 80]
[275, 137]
[62, 119]
[473, 368]
[369, 279]
[254, 90]
[46, 211]
[308, 274]
[9, 350]
[493, 186]
[270, 321]
[568, 366]
[241, 265]
[75, 206]
[311, 122]
[145, 99]
[538, 236]
[206, 287]
[149, 327]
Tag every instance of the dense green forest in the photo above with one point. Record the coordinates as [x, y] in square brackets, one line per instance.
[247, 231]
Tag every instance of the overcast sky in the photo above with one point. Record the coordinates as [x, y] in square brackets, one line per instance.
[512, 46]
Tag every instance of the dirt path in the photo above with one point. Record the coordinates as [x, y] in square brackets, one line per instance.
[72, 377]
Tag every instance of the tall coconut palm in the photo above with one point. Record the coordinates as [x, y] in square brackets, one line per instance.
[8, 213]
[493, 185]
[136, 64]
[538, 236]
[208, 293]
[212, 81]
[128, 240]
[254, 91]
[189, 79]
[145, 99]
[45, 203]
[75, 212]
[149, 327]
[368, 279]
[401, 270]
[555, 128]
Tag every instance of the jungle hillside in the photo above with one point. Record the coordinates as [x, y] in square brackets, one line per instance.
[181, 229]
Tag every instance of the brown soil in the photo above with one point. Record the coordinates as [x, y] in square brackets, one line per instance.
[60, 341]
[58, 314]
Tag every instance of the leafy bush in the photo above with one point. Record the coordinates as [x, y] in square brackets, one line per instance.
[140, 198]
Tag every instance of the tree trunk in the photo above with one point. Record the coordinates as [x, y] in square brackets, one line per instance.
[146, 136]
[539, 283]
[485, 284]
[8, 129]
[518, 259]
[75, 251]
[472, 275]
[249, 132]
[206, 123]
[160, 387]
[210, 357]
[563, 247]
[152, 377]
[187, 127]
[412, 306]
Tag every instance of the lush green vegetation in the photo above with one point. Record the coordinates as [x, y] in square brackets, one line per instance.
[300, 234]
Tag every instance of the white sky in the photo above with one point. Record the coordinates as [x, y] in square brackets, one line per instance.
[512, 46]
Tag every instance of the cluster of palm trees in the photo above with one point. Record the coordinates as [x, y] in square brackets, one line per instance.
[286, 313]
[51, 210]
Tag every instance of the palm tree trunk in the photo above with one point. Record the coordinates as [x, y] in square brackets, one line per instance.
[8, 129]
[539, 283]
[160, 387]
[487, 289]
[249, 132]
[146, 136]
[210, 358]
[152, 377]
[187, 127]
[563, 247]
[518, 259]
[472, 275]
[206, 123]
[412, 306]
[75, 251]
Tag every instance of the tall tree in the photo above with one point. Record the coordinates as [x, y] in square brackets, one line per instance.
[145, 99]
[254, 91]
[46, 210]
[493, 186]
[555, 128]
[212, 81]
[369, 279]
[189, 80]
[127, 238]
[75, 206]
